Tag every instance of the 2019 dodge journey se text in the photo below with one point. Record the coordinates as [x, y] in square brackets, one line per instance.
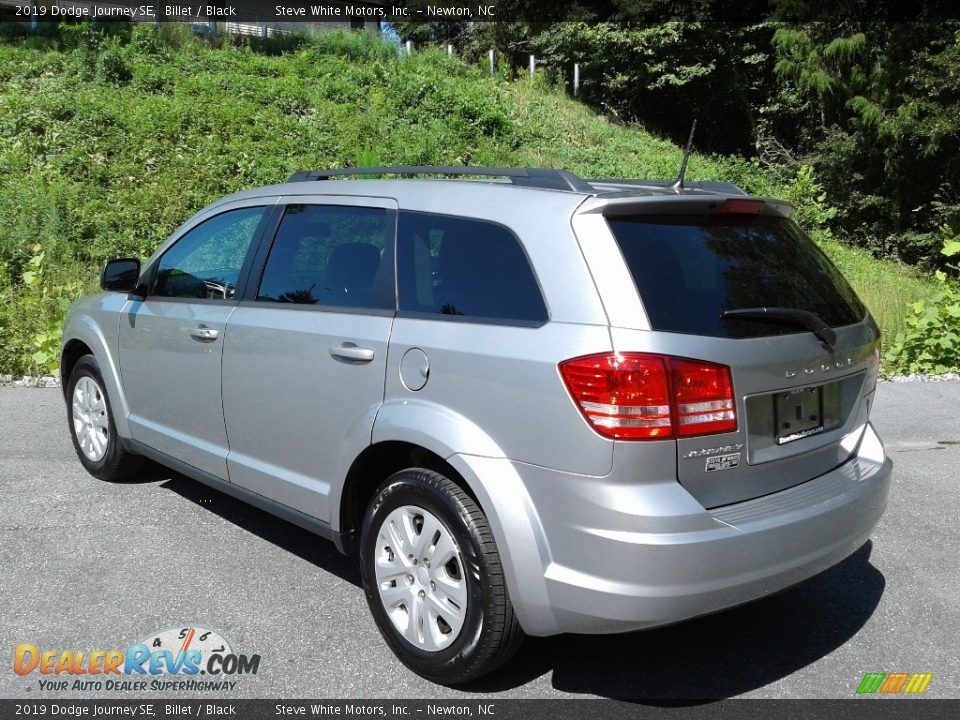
[527, 403]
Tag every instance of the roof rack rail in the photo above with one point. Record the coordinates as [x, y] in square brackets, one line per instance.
[707, 185]
[547, 178]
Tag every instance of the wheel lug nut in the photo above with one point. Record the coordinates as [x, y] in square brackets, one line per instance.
[421, 594]
[433, 586]
[409, 579]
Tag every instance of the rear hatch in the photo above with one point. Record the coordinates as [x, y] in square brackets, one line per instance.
[708, 276]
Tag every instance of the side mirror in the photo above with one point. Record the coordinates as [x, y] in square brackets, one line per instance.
[120, 275]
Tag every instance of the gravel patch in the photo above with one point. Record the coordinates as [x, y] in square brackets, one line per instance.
[32, 381]
[924, 378]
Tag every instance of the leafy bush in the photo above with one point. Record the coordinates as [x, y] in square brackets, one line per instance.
[931, 342]
[355, 46]
[812, 212]
[147, 41]
[33, 343]
[112, 66]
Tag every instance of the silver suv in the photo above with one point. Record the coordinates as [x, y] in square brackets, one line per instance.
[527, 405]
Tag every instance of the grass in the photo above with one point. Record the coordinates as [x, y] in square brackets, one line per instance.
[109, 144]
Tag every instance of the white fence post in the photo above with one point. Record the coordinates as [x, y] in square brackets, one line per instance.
[576, 79]
[533, 65]
[492, 66]
[449, 50]
[409, 47]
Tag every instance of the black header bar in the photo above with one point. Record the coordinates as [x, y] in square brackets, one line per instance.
[349, 14]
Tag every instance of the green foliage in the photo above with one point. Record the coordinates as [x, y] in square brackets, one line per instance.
[111, 65]
[876, 109]
[828, 69]
[931, 341]
[148, 42]
[665, 75]
[812, 211]
[36, 308]
[355, 46]
[110, 141]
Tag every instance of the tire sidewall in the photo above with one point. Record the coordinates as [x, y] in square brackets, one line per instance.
[411, 487]
[87, 367]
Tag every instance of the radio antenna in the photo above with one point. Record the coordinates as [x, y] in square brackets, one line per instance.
[678, 185]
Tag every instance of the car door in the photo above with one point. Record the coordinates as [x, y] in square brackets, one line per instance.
[171, 341]
[305, 351]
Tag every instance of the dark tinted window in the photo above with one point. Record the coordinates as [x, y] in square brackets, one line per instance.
[470, 268]
[327, 255]
[206, 262]
[690, 269]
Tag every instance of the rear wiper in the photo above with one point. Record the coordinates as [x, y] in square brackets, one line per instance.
[811, 321]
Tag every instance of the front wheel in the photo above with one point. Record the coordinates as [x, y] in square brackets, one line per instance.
[434, 581]
[92, 428]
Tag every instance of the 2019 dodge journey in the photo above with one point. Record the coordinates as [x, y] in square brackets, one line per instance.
[527, 403]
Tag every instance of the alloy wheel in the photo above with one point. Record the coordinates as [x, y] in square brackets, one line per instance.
[90, 422]
[420, 578]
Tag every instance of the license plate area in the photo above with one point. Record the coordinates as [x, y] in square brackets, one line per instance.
[767, 411]
[798, 414]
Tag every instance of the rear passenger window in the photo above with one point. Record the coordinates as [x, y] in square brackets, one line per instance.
[327, 255]
[467, 268]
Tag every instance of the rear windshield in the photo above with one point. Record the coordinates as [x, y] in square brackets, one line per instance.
[690, 269]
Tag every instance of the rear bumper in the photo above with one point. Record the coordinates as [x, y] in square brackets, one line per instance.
[617, 557]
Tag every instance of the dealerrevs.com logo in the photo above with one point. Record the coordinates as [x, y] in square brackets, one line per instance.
[197, 659]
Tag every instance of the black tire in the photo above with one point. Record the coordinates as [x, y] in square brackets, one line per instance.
[490, 634]
[117, 463]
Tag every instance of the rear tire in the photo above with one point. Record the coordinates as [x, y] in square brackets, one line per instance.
[92, 429]
[434, 581]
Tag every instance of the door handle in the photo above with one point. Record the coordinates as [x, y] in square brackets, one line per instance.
[349, 351]
[204, 333]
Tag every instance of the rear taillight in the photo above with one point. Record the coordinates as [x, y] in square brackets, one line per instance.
[622, 395]
[704, 397]
[640, 396]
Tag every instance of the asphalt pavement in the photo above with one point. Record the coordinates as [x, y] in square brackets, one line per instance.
[88, 565]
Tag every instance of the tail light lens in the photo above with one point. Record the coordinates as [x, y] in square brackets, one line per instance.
[640, 396]
[622, 395]
[703, 395]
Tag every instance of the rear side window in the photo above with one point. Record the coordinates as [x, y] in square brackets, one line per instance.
[328, 255]
[465, 268]
[690, 269]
